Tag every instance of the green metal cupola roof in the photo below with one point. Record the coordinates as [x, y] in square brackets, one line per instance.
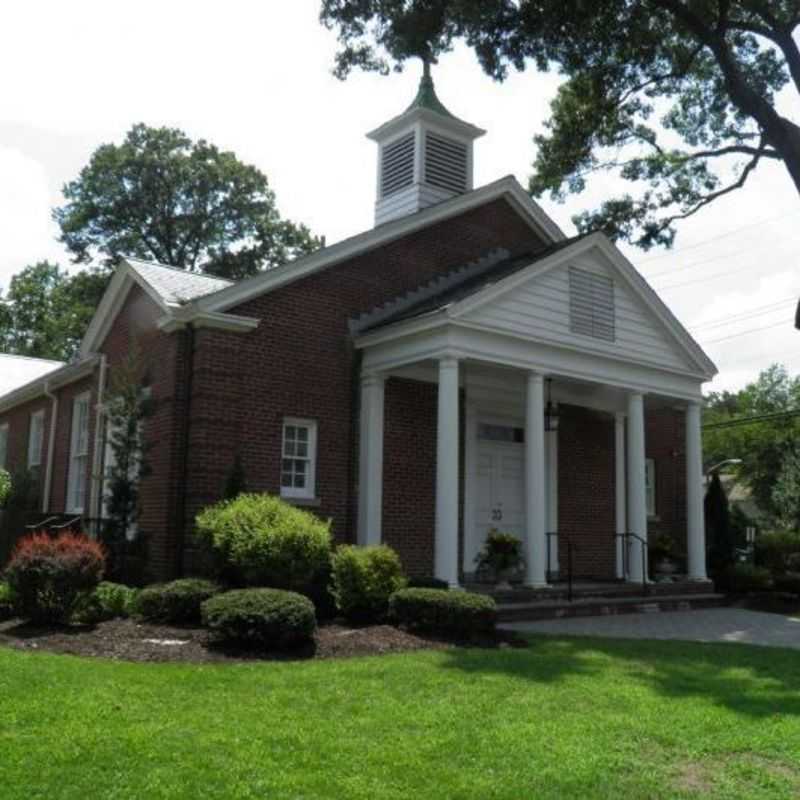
[427, 105]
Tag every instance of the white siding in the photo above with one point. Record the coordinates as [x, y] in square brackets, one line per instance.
[540, 310]
[409, 201]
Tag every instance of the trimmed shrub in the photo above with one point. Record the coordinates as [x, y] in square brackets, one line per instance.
[108, 601]
[788, 582]
[428, 582]
[450, 613]
[259, 540]
[364, 578]
[779, 551]
[5, 486]
[49, 576]
[746, 577]
[260, 618]
[7, 605]
[176, 602]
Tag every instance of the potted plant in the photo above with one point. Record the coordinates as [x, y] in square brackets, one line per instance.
[661, 555]
[502, 553]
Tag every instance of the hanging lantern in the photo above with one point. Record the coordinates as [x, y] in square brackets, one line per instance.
[551, 410]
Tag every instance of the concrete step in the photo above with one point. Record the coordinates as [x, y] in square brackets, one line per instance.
[595, 606]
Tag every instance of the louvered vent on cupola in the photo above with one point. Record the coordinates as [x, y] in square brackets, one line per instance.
[446, 163]
[397, 164]
[424, 156]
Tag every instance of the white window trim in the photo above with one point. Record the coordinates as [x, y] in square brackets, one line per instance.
[307, 492]
[4, 445]
[72, 473]
[35, 453]
[650, 486]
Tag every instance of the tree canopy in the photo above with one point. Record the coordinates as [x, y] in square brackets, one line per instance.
[160, 196]
[763, 446]
[46, 310]
[676, 97]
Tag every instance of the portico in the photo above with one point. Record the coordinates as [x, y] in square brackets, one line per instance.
[497, 364]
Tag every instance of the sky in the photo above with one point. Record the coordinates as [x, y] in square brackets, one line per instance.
[255, 78]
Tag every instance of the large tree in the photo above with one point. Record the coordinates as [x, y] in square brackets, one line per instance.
[676, 96]
[46, 310]
[160, 196]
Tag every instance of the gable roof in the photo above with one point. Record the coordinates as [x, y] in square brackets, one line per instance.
[176, 286]
[502, 278]
[17, 371]
[507, 188]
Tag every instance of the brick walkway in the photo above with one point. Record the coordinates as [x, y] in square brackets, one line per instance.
[708, 625]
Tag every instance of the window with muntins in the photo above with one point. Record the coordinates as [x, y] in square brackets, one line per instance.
[397, 165]
[591, 304]
[299, 455]
[650, 486]
[79, 455]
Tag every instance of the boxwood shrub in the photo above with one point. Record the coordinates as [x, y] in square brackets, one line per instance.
[745, 577]
[363, 580]
[175, 602]
[260, 540]
[427, 582]
[788, 582]
[7, 610]
[108, 601]
[260, 618]
[450, 613]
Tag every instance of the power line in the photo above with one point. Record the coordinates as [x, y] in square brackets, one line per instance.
[746, 333]
[706, 278]
[744, 315]
[717, 238]
[755, 418]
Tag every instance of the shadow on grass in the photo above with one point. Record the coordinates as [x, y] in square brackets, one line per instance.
[756, 681]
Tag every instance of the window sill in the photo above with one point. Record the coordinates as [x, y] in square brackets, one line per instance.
[309, 502]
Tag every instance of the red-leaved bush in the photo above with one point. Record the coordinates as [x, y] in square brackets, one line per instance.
[50, 575]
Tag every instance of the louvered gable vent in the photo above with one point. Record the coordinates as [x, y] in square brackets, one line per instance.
[445, 163]
[397, 167]
[591, 304]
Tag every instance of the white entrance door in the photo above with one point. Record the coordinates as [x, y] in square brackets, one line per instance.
[500, 499]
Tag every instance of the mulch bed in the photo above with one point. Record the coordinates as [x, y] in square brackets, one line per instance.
[131, 640]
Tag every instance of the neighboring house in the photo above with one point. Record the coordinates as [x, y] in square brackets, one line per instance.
[461, 366]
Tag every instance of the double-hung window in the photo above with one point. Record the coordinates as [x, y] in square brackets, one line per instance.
[650, 486]
[35, 441]
[299, 456]
[78, 455]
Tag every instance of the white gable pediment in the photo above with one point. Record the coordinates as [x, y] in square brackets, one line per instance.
[535, 303]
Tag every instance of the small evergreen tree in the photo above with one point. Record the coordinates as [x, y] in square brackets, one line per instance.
[128, 405]
[786, 492]
[721, 541]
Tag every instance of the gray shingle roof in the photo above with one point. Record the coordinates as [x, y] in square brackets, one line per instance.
[177, 286]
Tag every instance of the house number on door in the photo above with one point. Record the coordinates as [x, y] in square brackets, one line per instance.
[497, 514]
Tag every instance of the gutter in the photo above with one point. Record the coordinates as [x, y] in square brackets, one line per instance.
[51, 446]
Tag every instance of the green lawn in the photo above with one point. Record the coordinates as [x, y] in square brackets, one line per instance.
[566, 718]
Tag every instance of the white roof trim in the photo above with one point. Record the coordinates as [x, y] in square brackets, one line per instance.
[190, 315]
[52, 380]
[508, 188]
[408, 118]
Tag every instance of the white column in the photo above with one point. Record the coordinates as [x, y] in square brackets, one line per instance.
[621, 499]
[695, 522]
[446, 544]
[535, 512]
[637, 493]
[551, 438]
[370, 462]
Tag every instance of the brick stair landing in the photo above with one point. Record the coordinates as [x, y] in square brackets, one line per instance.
[530, 611]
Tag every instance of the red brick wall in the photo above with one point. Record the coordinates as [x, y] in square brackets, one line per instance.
[300, 362]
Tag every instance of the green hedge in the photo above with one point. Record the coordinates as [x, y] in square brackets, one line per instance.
[175, 602]
[779, 551]
[7, 607]
[746, 577]
[260, 540]
[108, 601]
[788, 582]
[363, 580]
[451, 613]
[260, 618]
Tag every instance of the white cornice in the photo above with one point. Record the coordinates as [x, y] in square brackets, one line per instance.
[413, 115]
[52, 380]
[507, 188]
[189, 315]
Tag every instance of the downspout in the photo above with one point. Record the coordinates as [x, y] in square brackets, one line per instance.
[183, 475]
[51, 447]
[96, 499]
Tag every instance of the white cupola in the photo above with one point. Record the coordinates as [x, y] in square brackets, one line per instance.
[424, 156]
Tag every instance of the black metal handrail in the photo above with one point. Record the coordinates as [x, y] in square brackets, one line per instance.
[548, 537]
[626, 556]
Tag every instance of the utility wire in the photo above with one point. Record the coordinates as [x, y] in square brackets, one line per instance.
[705, 278]
[755, 418]
[746, 333]
[744, 315]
